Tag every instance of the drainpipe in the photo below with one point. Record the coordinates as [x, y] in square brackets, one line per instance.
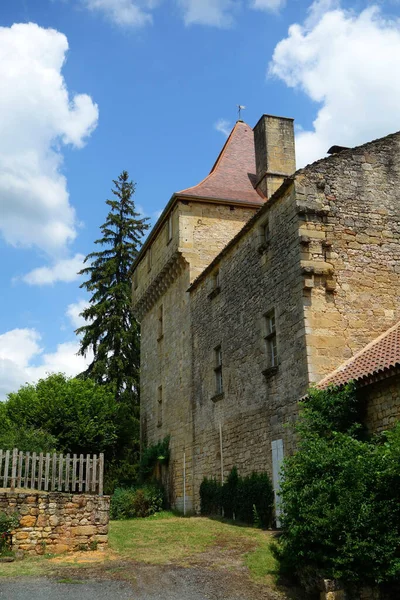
[184, 483]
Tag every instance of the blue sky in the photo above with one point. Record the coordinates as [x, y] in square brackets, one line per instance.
[92, 87]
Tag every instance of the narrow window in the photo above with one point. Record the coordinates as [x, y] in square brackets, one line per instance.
[216, 280]
[169, 230]
[149, 259]
[135, 279]
[160, 322]
[159, 406]
[266, 234]
[270, 339]
[218, 371]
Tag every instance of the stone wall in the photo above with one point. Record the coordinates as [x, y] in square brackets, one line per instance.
[381, 403]
[53, 522]
[257, 276]
[350, 232]
[200, 231]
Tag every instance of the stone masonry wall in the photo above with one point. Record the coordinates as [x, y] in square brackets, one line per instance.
[257, 404]
[350, 232]
[200, 231]
[381, 403]
[57, 522]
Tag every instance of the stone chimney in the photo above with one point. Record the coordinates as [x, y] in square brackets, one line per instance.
[275, 153]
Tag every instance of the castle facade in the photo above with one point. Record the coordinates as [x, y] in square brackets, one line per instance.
[258, 283]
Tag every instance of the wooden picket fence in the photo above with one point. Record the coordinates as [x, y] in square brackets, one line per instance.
[52, 472]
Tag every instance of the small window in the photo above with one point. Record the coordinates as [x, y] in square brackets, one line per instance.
[160, 322]
[218, 371]
[266, 233]
[135, 280]
[216, 280]
[160, 406]
[149, 259]
[169, 229]
[270, 339]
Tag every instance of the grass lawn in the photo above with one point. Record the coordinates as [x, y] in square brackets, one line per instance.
[167, 539]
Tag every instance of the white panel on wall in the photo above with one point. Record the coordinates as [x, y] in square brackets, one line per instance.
[277, 459]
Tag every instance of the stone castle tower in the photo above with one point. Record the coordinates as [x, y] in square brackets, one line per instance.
[195, 226]
[257, 283]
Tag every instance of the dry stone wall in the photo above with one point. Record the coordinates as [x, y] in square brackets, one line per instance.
[57, 522]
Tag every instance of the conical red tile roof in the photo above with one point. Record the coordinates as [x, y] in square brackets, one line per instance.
[381, 354]
[233, 176]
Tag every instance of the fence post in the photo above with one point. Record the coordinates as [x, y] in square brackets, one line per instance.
[6, 463]
[14, 468]
[101, 470]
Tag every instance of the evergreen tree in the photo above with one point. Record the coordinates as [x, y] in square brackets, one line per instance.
[111, 331]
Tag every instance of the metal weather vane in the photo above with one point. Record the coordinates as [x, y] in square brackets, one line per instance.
[240, 108]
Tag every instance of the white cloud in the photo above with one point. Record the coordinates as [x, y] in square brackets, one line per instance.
[127, 13]
[208, 12]
[347, 63]
[270, 5]
[65, 270]
[74, 313]
[20, 347]
[223, 126]
[37, 117]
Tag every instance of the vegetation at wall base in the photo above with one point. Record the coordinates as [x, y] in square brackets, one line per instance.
[7, 524]
[137, 502]
[153, 455]
[340, 497]
[248, 499]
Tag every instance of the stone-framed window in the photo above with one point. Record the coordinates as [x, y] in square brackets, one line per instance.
[215, 284]
[149, 259]
[264, 236]
[160, 322]
[270, 340]
[219, 386]
[135, 279]
[159, 406]
[170, 229]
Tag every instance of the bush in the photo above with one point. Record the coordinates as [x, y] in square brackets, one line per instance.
[249, 499]
[153, 455]
[7, 524]
[128, 503]
[340, 498]
[210, 497]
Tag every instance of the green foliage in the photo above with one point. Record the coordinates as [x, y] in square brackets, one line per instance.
[71, 415]
[7, 524]
[210, 497]
[341, 497]
[250, 499]
[143, 501]
[111, 330]
[153, 455]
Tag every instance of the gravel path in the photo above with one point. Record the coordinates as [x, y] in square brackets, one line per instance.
[145, 583]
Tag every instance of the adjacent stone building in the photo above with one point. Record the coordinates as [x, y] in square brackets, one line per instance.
[254, 285]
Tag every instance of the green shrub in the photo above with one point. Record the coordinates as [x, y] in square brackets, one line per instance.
[144, 501]
[210, 497]
[7, 524]
[250, 499]
[151, 456]
[255, 497]
[340, 498]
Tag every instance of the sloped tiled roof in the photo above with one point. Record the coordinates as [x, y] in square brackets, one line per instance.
[378, 356]
[233, 176]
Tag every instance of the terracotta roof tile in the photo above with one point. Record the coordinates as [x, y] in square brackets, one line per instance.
[379, 355]
[233, 176]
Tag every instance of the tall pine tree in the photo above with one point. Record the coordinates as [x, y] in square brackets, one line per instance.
[111, 331]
